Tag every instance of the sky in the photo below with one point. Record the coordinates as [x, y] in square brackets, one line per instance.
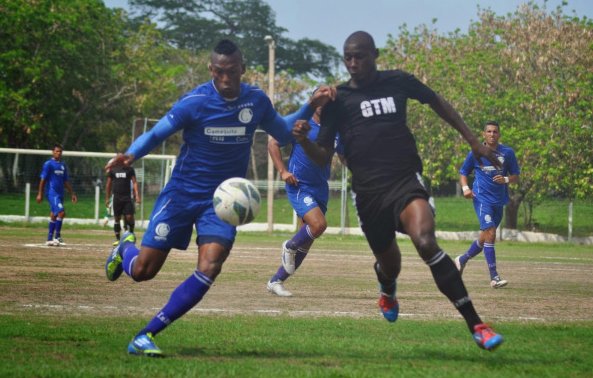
[332, 21]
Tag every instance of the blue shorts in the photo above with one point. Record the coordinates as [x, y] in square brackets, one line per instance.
[488, 215]
[303, 199]
[175, 214]
[56, 203]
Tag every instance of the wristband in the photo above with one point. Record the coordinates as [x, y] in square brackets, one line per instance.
[464, 188]
[506, 179]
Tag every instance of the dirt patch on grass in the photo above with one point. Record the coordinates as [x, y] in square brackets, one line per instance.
[336, 279]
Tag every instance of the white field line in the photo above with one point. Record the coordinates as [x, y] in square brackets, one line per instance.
[275, 312]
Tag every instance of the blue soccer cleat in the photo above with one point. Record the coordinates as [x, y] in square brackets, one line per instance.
[389, 307]
[113, 265]
[486, 338]
[143, 345]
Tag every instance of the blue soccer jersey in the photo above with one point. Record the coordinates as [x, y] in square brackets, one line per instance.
[312, 189]
[55, 173]
[217, 134]
[484, 188]
[307, 172]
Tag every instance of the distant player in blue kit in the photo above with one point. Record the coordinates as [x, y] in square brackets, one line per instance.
[369, 113]
[219, 119]
[54, 178]
[489, 194]
[308, 192]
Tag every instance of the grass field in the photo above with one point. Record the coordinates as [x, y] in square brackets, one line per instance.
[453, 213]
[60, 317]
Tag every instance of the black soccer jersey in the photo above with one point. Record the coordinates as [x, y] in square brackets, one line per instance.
[121, 182]
[378, 145]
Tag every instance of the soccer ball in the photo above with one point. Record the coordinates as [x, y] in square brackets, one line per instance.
[236, 201]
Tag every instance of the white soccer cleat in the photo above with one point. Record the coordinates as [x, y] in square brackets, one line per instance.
[58, 242]
[288, 258]
[51, 243]
[277, 288]
[459, 265]
[497, 283]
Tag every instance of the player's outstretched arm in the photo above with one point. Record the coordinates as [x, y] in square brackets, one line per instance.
[144, 144]
[446, 111]
[276, 155]
[73, 195]
[322, 96]
[317, 153]
[39, 197]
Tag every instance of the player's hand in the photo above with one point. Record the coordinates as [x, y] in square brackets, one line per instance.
[482, 151]
[499, 179]
[74, 198]
[39, 198]
[118, 161]
[289, 178]
[468, 194]
[300, 130]
[322, 96]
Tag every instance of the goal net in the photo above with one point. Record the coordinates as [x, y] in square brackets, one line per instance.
[20, 170]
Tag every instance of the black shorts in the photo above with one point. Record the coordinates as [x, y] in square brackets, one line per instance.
[379, 212]
[123, 206]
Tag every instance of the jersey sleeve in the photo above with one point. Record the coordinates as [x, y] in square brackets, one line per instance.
[468, 165]
[513, 164]
[66, 177]
[45, 171]
[281, 127]
[339, 146]
[329, 125]
[417, 89]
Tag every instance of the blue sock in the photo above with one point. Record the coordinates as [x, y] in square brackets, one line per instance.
[183, 299]
[303, 238]
[52, 227]
[281, 274]
[490, 256]
[299, 257]
[58, 227]
[129, 253]
[472, 252]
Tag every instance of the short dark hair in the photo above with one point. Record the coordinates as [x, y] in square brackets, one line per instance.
[225, 47]
[491, 123]
[361, 38]
[57, 145]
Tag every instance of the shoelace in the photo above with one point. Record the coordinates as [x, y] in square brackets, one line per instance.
[386, 303]
[485, 331]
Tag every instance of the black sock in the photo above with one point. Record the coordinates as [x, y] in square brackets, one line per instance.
[387, 285]
[449, 282]
[117, 230]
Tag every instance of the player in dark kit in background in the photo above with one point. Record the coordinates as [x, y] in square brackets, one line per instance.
[121, 181]
[489, 194]
[54, 178]
[369, 114]
[219, 119]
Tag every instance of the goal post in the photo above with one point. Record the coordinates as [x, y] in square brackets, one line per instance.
[19, 180]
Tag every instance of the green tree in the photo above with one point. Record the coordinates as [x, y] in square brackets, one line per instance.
[151, 75]
[199, 24]
[55, 64]
[531, 71]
